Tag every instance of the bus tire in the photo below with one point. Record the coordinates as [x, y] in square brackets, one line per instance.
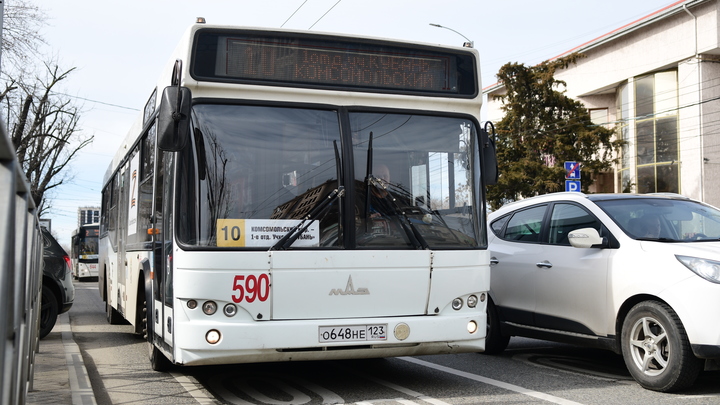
[112, 315]
[158, 361]
[48, 311]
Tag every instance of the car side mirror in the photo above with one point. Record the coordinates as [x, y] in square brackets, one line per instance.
[586, 238]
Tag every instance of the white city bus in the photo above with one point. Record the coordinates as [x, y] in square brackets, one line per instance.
[84, 251]
[299, 196]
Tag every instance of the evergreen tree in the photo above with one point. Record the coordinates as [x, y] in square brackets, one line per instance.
[542, 128]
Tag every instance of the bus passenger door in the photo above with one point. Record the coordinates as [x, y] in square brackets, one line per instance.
[161, 329]
[118, 278]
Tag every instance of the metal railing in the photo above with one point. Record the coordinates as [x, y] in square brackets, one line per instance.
[21, 264]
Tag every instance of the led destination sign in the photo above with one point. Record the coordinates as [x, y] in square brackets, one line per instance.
[309, 62]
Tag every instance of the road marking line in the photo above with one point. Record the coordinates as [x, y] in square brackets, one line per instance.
[193, 389]
[406, 391]
[80, 387]
[490, 381]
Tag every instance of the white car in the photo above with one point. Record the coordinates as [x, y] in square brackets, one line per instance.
[635, 274]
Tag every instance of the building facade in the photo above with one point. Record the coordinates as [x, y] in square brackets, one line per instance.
[88, 215]
[657, 81]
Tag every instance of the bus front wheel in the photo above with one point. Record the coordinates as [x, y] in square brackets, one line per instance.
[158, 361]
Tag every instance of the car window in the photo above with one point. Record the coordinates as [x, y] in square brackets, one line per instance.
[525, 225]
[664, 219]
[498, 224]
[569, 217]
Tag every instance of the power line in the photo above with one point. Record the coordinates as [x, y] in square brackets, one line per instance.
[326, 13]
[98, 102]
[291, 15]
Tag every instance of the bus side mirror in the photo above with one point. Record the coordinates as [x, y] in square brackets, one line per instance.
[174, 119]
[489, 157]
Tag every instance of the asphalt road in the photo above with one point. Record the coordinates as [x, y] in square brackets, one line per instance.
[530, 371]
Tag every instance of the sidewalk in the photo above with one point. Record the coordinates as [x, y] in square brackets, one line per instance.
[60, 374]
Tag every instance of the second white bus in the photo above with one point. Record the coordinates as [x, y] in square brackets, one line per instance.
[84, 251]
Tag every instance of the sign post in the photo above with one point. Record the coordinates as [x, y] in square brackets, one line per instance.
[572, 176]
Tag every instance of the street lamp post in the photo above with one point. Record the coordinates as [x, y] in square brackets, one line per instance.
[468, 44]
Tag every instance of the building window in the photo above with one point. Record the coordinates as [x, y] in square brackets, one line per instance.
[656, 133]
[626, 179]
[599, 116]
[649, 125]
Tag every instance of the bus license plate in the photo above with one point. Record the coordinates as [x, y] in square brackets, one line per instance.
[352, 333]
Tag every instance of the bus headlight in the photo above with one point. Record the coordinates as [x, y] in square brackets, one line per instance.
[472, 327]
[209, 307]
[472, 301]
[457, 304]
[192, 304]
[213, 336]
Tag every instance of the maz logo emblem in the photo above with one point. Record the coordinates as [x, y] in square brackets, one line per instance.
[349, 289]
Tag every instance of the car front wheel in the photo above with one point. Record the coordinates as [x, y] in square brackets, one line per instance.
[656, 350]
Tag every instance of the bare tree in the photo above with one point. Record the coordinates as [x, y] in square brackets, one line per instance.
[21, 36]
[41, 121]
[43, 126]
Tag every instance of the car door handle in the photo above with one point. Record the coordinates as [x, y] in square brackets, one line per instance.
[494, 260]
[546, 264]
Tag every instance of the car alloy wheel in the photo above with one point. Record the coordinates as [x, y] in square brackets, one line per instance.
[656, 350]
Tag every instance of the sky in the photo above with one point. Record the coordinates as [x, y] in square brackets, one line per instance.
[120, 47]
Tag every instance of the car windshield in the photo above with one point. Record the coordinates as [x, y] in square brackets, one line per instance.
[663, 219]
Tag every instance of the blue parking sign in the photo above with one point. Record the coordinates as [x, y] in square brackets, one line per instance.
[572, 170]
[572, 185]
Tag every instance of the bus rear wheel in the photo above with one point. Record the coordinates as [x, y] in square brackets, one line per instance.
[112, 315]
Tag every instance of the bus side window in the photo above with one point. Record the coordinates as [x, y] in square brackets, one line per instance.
[113, 212]
[146, 185]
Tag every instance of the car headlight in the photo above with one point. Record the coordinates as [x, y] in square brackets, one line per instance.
[707, 269]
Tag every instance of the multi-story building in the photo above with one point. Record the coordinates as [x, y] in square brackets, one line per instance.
[88, 215]
[658, 81]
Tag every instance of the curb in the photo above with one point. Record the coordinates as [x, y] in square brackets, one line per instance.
[60, 375]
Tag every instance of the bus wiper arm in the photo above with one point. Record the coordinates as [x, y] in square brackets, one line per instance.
[407, 226]
[399, 189]
[292, 235]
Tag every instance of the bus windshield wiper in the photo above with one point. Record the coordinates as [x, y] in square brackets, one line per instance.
[292, 235]
[402, 191]
[407, 226]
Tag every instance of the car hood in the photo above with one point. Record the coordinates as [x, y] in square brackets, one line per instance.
[707, 250]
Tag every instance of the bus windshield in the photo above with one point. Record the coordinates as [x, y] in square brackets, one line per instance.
[87, 244]
[254, 172]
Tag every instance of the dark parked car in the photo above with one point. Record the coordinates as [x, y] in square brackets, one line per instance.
[58, 291]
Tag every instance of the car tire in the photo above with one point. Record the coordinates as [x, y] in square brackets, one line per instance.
[48, 311]
[494, 342]
[656, 350]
